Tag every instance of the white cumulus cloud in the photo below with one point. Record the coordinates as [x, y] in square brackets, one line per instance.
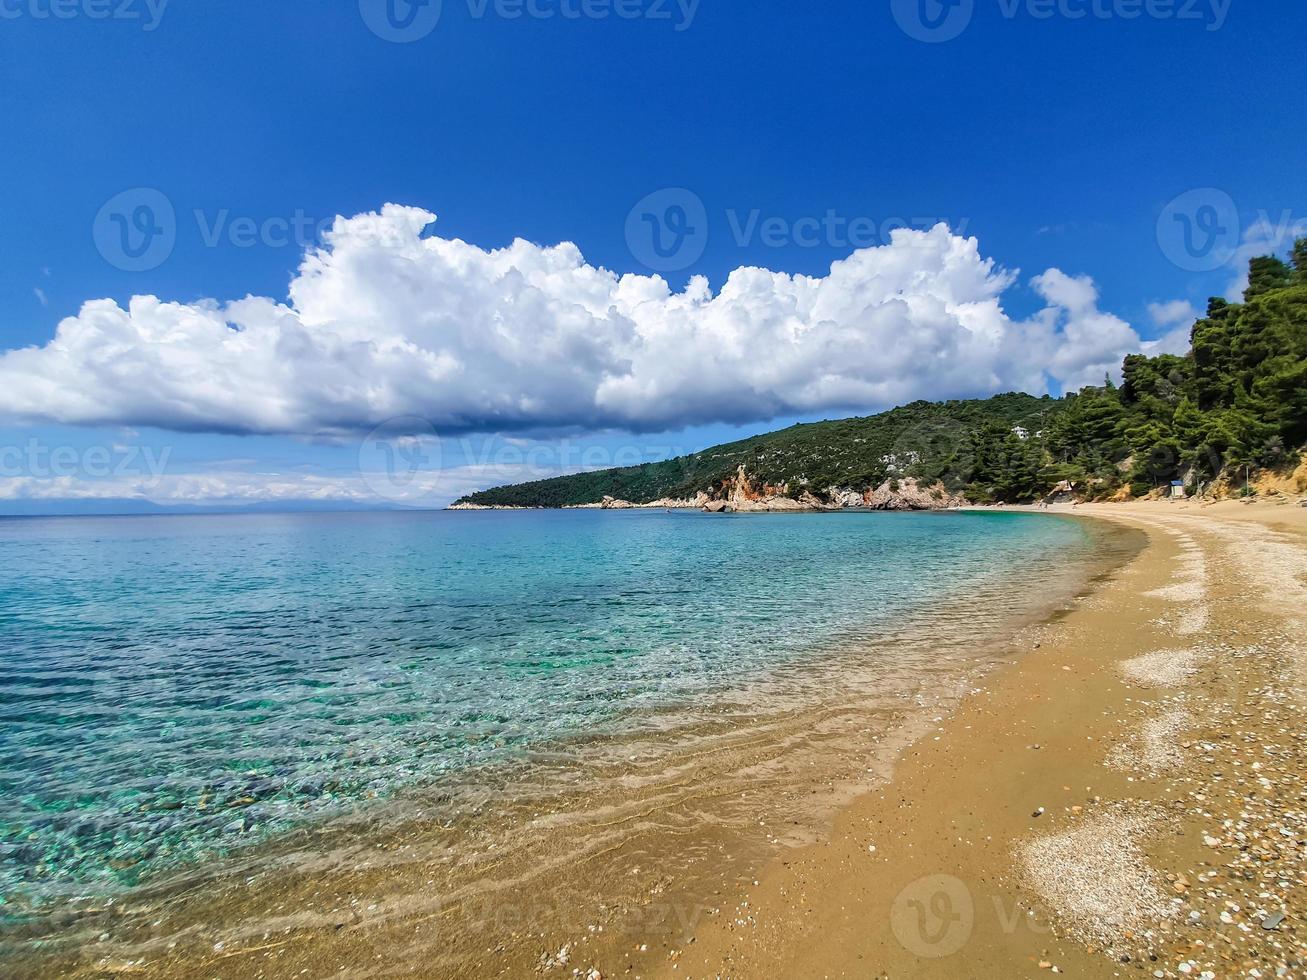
[386, 320]
[1176, 312]
[1265, 236]
[1176, 318]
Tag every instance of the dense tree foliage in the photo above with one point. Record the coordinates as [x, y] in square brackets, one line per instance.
[938, 439]
[1238, 398]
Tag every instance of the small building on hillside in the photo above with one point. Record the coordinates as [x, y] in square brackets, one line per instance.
[1177, 488]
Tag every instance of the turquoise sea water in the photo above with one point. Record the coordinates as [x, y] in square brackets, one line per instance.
[173, 688]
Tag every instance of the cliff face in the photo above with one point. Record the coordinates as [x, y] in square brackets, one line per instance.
[907, 494]
[740, 494]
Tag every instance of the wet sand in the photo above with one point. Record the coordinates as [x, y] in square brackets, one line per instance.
[1127, 800]
[1006, 816]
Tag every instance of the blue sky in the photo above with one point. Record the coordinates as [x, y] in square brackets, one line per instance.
[1083, 144]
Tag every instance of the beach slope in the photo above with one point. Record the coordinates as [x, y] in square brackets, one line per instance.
[1127, 799]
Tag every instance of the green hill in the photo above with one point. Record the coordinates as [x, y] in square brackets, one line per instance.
[1238, 398]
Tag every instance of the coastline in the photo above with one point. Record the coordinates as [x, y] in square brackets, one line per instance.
[843, 884]
[742, 494]
[628, 848]
[1074, 816]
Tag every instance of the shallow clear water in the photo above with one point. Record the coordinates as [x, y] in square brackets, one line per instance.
[172, 688]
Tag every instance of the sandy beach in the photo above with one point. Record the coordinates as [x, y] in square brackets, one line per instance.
[1125, 800]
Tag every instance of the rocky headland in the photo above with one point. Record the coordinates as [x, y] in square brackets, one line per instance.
[742, 494]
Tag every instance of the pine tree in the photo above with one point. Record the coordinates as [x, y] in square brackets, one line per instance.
[1265, 273]
[1299, 259]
